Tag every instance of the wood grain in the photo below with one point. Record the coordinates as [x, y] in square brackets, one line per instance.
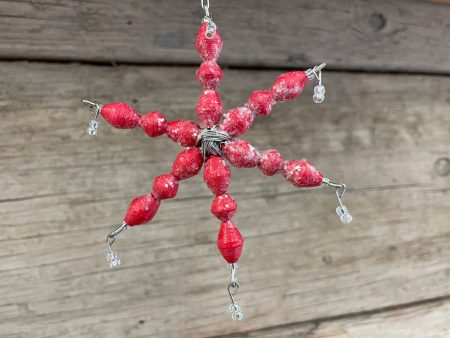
[412, 36]
[430, 320]
[62, 191]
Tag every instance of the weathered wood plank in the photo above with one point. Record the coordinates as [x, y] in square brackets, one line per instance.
[382, 35]
[430, 320]
[63, 191]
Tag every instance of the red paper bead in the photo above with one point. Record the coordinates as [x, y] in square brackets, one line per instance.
[141, 210]
[208, 48]
[260, 102]
[165, 186]
[209, 108]
[120, 115]
[288, 85]
[237, 121]
[187, 164]
[223, 207]
[301, 173]
[241, 154]
[270, 162]
[209, 75]
[153, 124]
[183, 132]
[230, 242]
[216, 175]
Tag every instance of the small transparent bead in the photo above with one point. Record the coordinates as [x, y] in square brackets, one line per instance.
[114, 261]
[319, 94]
[210, 29]
[235, 307]
[344, 214]
[93, 128]
[237, 316]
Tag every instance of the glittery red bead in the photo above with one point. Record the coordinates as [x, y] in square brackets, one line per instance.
[241, 154]
[183, 132]
[141, 210]
[288, 85]
[237, 121]
[223, 207]
[165, 186]
[260, 102]
[187, 164]
[270, 162]
[230, 242]
[153, 124]
[301, 173]
[216, 175]
[120, 115]
[209, 108]
[208, 48]
[209, 75]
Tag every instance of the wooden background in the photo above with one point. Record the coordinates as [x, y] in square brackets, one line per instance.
[384, 130]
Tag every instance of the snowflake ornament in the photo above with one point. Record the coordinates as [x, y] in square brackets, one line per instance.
[212, 143]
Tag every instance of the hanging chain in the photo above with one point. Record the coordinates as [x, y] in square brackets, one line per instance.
[205, 6]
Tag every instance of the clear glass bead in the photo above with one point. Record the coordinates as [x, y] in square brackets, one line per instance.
[319, 94]
[114, 261]
[344, 214]
[93, 128]
[210, 29]
[235, 307]
[237, 316]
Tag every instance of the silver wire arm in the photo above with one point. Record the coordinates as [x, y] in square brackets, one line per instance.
[95, 108]
[111, 256]
[233, 288]
[341, 210]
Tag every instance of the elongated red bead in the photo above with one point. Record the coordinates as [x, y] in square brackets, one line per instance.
[141, 210]
[288, 85]
[153, 124]
[183, 132]
[187, 164]
[230, 242]
[241, 154]
[120, 115]
[237, 121]
[301, 173]
[270, 162]
[209, 74]
[223, 207]
[216, 175]
[261, 102]
[208, 48]
[209, 108]
[165, 186]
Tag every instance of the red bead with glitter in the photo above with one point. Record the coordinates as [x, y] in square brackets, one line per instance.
[208, 48]
[301, 173]
[153, 124]
[261, 102]
[187, 164]
[183, 132]
[216, 175]
[209, 108]
[230, 242]
[209, 75]
[237, 121]
[223, 207]
[270, 162]
[120, 115]
[141, 210]
[165, 186]
[241, 154]
[288, 85]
